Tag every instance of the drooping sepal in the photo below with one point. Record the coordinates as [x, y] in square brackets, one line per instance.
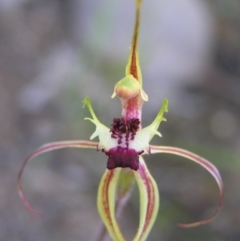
[115, 187]
[149, 200]
[47, 148]
[204, 163]
[106, 201]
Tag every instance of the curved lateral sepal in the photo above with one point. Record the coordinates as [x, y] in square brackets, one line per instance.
[204, 163]
[43, 149]
[149, 200]
[106, 201]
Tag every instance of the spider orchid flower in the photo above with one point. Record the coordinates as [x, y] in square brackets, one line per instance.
[125, 143]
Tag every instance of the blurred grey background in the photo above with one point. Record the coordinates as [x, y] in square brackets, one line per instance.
[53, 53]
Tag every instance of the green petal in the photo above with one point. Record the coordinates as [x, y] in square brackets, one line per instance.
[159, 118]
[201, 161]
[105, 140]
[144, 136]
[101, 130]
[149, 201]
[106, 202]
[87, 102]
[43, 149]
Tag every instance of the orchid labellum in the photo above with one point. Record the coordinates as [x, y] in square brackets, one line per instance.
[124, 144]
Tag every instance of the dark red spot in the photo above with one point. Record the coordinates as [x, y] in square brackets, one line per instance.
[120, 127]
[122, 157]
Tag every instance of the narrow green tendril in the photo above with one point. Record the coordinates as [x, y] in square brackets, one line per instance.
[159, 118]
[102, 132]
[144, 136]
[87, 102]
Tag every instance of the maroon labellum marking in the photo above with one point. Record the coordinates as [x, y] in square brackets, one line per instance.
[121, 155]
[120, 127]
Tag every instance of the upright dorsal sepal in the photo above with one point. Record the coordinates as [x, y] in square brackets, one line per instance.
[133, 66]
[129, 89]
